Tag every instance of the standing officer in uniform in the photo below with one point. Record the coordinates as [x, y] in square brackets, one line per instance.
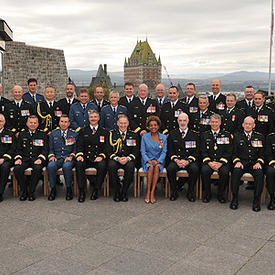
[270, 169]
[91, 152]
[32, 96]
[217, 100]
[183, 153]
[160, 95]
[62, 144]
[3, 101]
[129, 95]
[140, 109]
[99, 100]
[190, 99]
[66, 102]
[200, 121]
[247, 102]
[248, 156]
[263, 115]
[216, 152]
[171, 110]
[123, 148]
[78, 114]
[232, 118]
[7, 151]
[109, 113]
[32, 150]
[18, 111]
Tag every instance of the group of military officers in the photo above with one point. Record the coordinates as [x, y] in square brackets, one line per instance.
[207, 134]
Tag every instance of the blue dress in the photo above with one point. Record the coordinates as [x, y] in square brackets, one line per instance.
[151, 150]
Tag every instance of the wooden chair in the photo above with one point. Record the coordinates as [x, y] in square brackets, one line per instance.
[59, 172]
[142, 174]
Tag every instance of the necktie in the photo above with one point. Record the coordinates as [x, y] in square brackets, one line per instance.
[160, 103]
[258, 110]
[249, 104]
[64, 135]
[143, 102]
[31, 133]
[114, 109]
[69, 102]
[183, 134]
[248, 137]
[215, 135]
[173, 105]
[33, 97]
[84, 107]
[187, 100]
[93, 131]
[51, 104]
[130, 100]
[123, 136]
[17, 104]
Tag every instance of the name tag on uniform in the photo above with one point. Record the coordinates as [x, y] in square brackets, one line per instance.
[25, 112]
[6, 139]
[38, 142]
[256, 143]
[193, 109]
[58, 113]
[262, 118]
[69, 141]
[151, 109]
[131, 142]
[205, 121]
[190, 144]
[178, 112]
[220, 106]
[161, 144]
[223, 140]
[101, 139]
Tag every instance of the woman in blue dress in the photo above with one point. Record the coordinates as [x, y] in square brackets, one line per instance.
[153, 152]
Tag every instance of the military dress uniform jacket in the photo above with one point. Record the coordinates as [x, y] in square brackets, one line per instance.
[218, 104]
[108, 119]
[164, 100]
[38, 99]
[3, 103]
[17, 117]
[200, 122]
[180, 147]
[270, 150]
[124, 101]
[79, 117]
[104, 103]
[242, 105]
[138, 113]
[264, 119]
[89, 145]
[7, 145]
[61, 147]
[169, 116]
[117, 147]
[64, 106]
[248, 151]
[31, 148]
[232, 121]
[216, 149]
[193, 103]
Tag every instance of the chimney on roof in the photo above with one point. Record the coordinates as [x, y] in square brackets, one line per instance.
[105, 68]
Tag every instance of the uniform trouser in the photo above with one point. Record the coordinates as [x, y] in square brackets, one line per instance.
[270, 179]
[21, 178]
[67, 167]
[257, 174]
[81, 177]
[193, 171]
[4, 175]
[207, 171]
[128, 168]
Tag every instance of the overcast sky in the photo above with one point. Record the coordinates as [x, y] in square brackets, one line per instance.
[191, 36]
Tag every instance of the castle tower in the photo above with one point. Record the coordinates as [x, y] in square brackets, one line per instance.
[142, 66]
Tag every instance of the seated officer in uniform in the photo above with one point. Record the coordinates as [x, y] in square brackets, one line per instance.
[7, 151]
[32, 150]
[200, 121]
[18, 111]
[32, 96]
[171, 110]
[91, 152]
[217, 100]
[129, 95]
[183, 153]
[232, 118]
[247, 102]
[48, 111]
[270, 169]
[66, 102]
[122, 150]
[248, 157]
[62, 143]
[3, 101]
[78, 114]
[109, 113]
[216, 151]
[99, 100]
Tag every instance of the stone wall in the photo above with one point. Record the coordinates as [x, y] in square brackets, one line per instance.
[21, 62]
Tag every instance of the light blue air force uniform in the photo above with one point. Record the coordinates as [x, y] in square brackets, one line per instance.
[61, 148]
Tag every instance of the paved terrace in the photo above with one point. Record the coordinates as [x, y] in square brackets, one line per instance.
[104, 237]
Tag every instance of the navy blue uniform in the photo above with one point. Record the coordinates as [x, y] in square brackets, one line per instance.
[38, 99]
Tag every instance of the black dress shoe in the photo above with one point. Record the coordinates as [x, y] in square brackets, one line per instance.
[206, 199]
[23, 197]
[94, 195]
[256, 206]
[124, 198]
[69, 194]
[174, 196]
[191, 197]
[31, 197]
[116, 197]
[81, 197]
[52, 194]
[221, 199]
[234, 205]
[1, 198]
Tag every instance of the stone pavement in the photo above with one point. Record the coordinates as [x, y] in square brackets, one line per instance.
[104, 237]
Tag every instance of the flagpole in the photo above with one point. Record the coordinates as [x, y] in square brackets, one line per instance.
[270, 50]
